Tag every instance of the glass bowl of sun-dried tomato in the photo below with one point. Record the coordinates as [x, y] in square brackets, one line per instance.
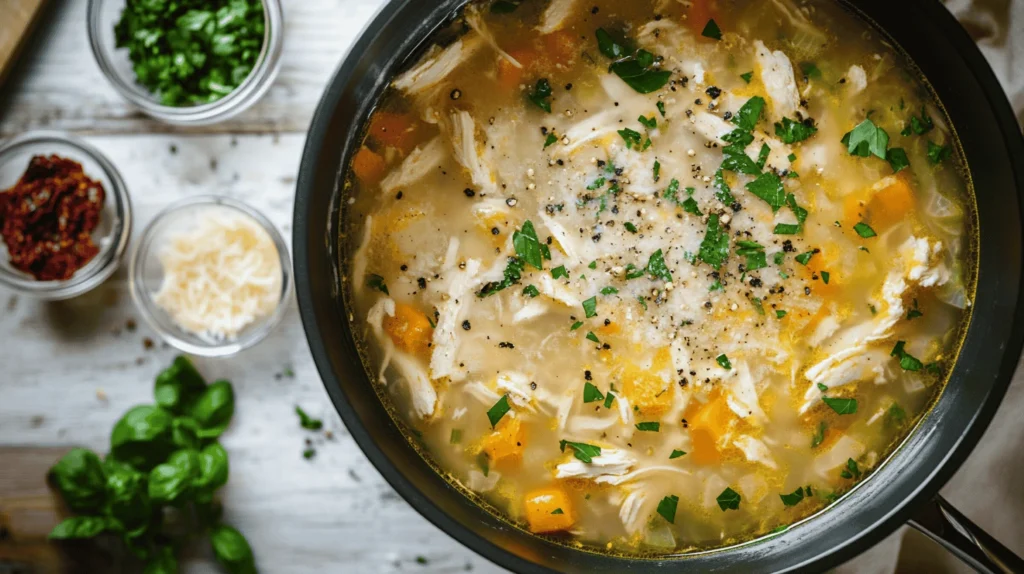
[65, 216]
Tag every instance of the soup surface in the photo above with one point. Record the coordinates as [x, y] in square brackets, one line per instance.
[660, 275]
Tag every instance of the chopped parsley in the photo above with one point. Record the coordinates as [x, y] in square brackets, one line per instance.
[642, 301]
[552, 139]
[656, 266]
[661, 108]
[768, 187]
[374, 281]
[723, 361]
[724, 194]
[897, 158]
[914, 312]
[667, 508]
[649, 123]
[608, 398]
[714, 248]
[864, 230]
[908, 362]
[559, 272]
[630, 227]
[513, 272]
[711, 30]
[531, 291]
[779, 313]
[866, 140]
[591, 393]
[841, 406]
[758, 306]
[810, 70]
[754, 252]
[690, 206]
[558, 511]
[819, 435]
[590, 307]
[919, 126]
[631, 137]
[762, 155]
[635, 67]
[649, 426]
[499, 410]
[804, 258]
[728, 500]
[747, 76]
[307, 422]
[657, 170]
[825, 276]
[456, 436]
[583, 451]
[786, 229]
[592, 337]
[676, 453]
[576, 325]
[938, 153]
[794, 497]
[749, 114]
[791, 132]
[528, 246]
[541, 95]
[851, 470]
[672, 191]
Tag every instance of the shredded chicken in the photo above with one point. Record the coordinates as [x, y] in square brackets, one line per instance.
[446, 344]
[436, 65]
[466, 150]
[476, 22]
[555, 15]
[416, 166]
[779, 82]
[605, 468]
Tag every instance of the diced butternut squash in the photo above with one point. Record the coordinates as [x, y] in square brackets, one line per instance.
[510, 76]
[549, 510]
[368, 166]
[400, 131]
[647, 391]
[708, 423]
[892, 201]
[504, 446]
[409, 329]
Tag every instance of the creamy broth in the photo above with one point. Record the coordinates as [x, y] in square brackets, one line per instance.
[668, 305]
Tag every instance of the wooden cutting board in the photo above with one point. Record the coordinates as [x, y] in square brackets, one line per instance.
[17, 18]
[29, 510]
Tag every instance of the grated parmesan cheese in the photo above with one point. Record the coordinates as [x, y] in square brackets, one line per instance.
[220, 276]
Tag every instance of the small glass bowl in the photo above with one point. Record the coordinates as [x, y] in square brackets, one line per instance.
[117, 67]
[111, 234]
[145, 275]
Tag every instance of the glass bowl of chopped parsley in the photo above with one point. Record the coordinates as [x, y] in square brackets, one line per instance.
[188, 62]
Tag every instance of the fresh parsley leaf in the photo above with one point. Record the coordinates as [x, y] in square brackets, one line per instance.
[852, 470]
[786, 229]
[714, 248]
[657, 170]
[527, 245]
[608, 398]
[723, 361]
[634, 272]
[758, 306]
[374, 281]
[690, 206]
[635, 67]
[672, 191]
[803, 258]
[576, 325]
[656, 266]
[559, 271]
[747, 76]
[779, 313]
[531, 291]
[591, 393]
[762, 156]
[791, 132]
[793, 498]
[592, 337]
[590, 307]
[819, 435]
[552, 139]
[749, 113]
[841, 406]
[810, 70]
[728, 500]
[907, 361]
[642, 301]
[630, 227]
[711, 30]
[513, 273]
[825, 276]
[667, 508]
[307, 422]
[609, 291]
[864, 230]
[676, 453]
[583, 451]
[649, 123]
[724, 194]
[919, 126]
[897, 159]
[499, 410]
[661, 108]
[541, 95]
[649, 426]
[914, 312]
[558, 511]
[938, 153]
[631, 137]
[866, 139]
[768, 187]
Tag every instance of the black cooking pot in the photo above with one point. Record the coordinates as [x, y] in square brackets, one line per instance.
[904, 488]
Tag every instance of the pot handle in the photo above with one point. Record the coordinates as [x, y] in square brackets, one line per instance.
[944, 524]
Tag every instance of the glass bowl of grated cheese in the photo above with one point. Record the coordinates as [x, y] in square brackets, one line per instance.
[211, 276]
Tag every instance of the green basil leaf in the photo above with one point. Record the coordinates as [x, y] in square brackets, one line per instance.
[214, 409]
[897, 159]
[232, 550]
[178, 386]
[79, 527]
[841, 406]
[170, 482]
[213, 467]
[128, 497]
[769, 187]
[162, 561]
[80, 479]
[143, 437]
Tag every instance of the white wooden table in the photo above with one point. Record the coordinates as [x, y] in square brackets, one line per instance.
[69, 370]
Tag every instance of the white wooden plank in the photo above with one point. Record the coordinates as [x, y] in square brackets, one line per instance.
[332, 513]
[59, 85]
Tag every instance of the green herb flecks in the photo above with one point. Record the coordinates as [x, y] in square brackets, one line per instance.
[656, 266]
[714, 248]
[528, 246]
[791, 132]
[938, 153]
[723, 361]
[667, 508]
[591, 393]
[711, 30]
[819, 434]
[307, 422]
[541, 95]
[866, 140]
[728, 500]
[864, 230]
[583, 451]
[676, 453]
[649, 426]
[793, 498]
[499, 410]
[636, 67]
[512, 274]
[851, 470]
[768, 187]
[374, 281]
[908, 362]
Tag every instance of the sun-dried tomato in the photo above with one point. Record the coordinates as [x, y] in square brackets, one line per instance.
[47, 218]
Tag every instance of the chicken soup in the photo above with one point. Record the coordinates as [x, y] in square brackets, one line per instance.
[658, 276]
